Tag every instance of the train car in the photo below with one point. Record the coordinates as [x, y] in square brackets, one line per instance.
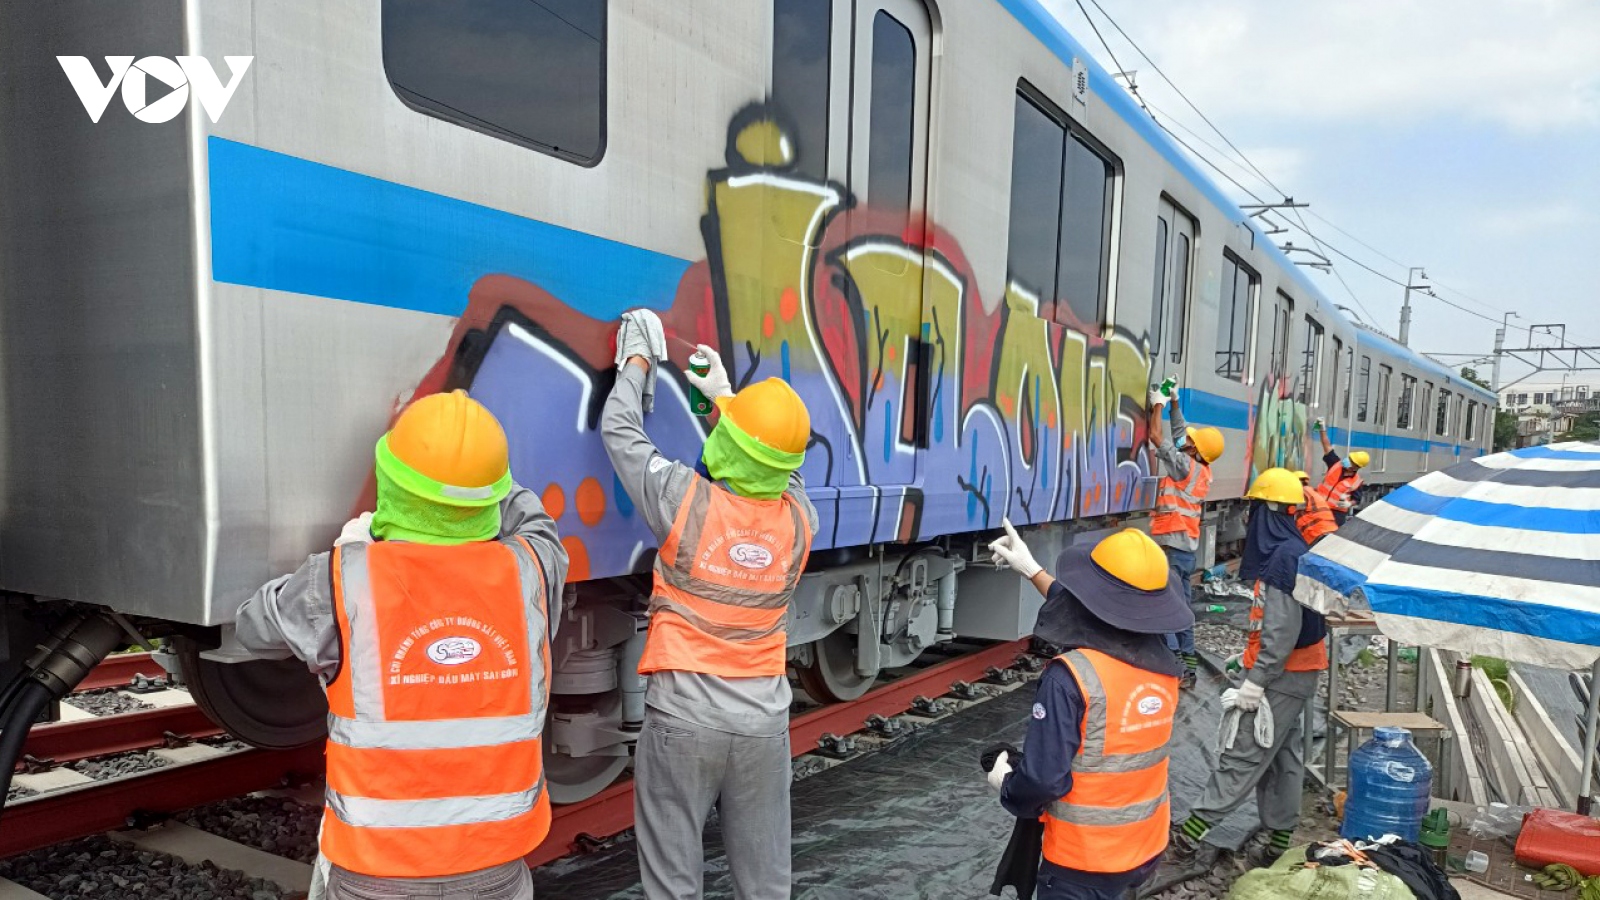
[942, 222]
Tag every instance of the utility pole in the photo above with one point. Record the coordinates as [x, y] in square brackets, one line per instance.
[1405, 308]
[1499, 351]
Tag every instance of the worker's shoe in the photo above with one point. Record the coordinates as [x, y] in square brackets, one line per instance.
[1185, 852]
[1259, 853]
[1189, 680]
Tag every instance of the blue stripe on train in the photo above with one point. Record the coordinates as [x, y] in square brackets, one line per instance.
[289, 224]
[1205, 408]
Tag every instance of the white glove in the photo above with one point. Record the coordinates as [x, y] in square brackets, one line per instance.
[1011, 551]
[1157, 399]
[1002, 768]
[356, 531]
[713, 383]
[640, 334]
[1250, 694]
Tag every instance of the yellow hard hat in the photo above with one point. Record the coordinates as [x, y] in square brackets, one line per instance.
[1277, 486]
[772, 413]
[1208, 441]
[1360, 458]
[1133, 559]
[1303, 476]
[453, 440]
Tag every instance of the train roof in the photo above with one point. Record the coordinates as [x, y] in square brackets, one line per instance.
[1053, 34]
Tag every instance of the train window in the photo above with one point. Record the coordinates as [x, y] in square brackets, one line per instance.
[1427, 404]
[1385, 376]
[1085, 235]
[893, 122]
[1158, 291]
[1310, 361]
[1441, 423]
[1180, 290]
[1362, 387]
[1471, 429]
[1341, 372]
[1038, 145]
[1408, 390]
[1278, 349]
[801, 55]
[529, 73]
[1234, 314]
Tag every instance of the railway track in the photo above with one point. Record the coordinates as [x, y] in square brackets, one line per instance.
[199, 771]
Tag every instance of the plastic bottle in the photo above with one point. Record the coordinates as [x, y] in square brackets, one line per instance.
[1389, 784]
[699, 403]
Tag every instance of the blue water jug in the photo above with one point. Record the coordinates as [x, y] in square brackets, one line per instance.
[1389, 784]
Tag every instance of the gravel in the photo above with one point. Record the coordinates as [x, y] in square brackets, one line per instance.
[99, 867]
[106, 702]
[281, 827]
[115, 766]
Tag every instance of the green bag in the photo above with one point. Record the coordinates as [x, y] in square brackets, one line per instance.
[1291, 879]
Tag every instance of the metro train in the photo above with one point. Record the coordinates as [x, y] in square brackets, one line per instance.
[960, 240]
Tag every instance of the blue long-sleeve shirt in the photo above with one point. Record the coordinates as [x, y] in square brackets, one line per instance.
[1045, 774]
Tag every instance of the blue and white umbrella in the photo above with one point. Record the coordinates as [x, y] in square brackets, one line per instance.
[1499, 556]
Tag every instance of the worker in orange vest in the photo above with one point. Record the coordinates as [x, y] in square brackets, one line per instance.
[429, 624]
[734, 534]
[1315, 518]
[1285, 653]
[1342, 485]
[1180, 502]
[1093, 767]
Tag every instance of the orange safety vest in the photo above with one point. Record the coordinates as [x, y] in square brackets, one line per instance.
[1312, 657]
[1116, 817]
[1179, 504]
[723, 580]
[1338, 487]
[435, 763]
[1315, 518]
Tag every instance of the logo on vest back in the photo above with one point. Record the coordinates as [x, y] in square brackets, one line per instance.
[1149, 706]
[750, 556]
[453, 651]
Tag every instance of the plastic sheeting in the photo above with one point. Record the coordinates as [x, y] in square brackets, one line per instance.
[916, 820]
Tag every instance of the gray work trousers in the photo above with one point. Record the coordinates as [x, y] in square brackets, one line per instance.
[1276, 774]
[510, 881]
[680, 770]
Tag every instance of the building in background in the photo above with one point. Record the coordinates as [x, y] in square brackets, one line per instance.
[1548, 411]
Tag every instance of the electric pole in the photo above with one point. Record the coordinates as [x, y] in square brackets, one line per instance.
[1405, 308]
[1499, 351]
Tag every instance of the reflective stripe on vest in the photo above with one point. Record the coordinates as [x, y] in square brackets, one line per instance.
[1315, 518]
[1337, 487]
[435, 763]
[1115, 817]
[1311, 658]
[1179, 504]
[723, 580]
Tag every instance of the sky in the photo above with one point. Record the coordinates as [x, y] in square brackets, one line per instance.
[1462, 136]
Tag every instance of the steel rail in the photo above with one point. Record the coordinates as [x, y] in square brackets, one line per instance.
[118, 671]
[66, 742]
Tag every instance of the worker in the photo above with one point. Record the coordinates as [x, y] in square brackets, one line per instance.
[429, 625]
[1283, 658]
[734, 537]
[1342, 484]
[1180, 502]
[1315, 518]
[1093, 766]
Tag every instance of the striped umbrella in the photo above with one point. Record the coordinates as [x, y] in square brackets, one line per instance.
[1499, 556]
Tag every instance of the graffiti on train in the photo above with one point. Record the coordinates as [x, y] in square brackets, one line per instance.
[932, 411]
[1282, 428]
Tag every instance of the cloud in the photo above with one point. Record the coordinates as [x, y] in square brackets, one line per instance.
[1527, 65]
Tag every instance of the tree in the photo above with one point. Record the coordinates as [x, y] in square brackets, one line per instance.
[1471, 374]
[1505, 430]
[1587, 428]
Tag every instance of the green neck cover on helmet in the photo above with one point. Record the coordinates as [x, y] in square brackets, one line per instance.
[749, 467]
[413, 507]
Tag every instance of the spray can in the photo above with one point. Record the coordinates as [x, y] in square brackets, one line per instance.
[699, 403]
[1168, 384]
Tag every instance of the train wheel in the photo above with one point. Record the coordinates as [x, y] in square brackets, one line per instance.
[572, 779]
[269, 703]
[832, 677]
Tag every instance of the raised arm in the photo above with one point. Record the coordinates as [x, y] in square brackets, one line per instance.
[293, 616]
[656, 484]
[522, 515]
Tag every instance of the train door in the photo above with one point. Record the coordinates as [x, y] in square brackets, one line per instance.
[1382, 415]
[1169, 306]
[1424, 421]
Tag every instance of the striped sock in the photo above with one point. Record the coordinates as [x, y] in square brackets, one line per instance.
[1196, 827]
[1280, 839]
[1191, 661]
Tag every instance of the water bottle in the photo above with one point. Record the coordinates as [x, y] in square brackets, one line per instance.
[1389, 784]
[699, 403]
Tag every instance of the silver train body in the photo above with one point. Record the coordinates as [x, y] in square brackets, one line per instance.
[940, 220]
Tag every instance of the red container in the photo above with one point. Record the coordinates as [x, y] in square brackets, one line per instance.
[1552, 836]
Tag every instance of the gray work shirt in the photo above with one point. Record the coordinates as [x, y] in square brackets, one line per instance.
[1280, 629]
[293, 615]
[746, 706]
[1175, 464]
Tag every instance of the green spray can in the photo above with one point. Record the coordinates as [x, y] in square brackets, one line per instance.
[699, 403]
[1167, 385]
